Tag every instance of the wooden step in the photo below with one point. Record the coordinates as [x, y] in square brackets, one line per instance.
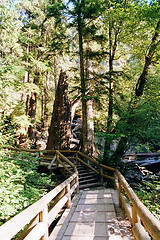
[86, 173]
[87, 177]
[90, 185]
[81, 181]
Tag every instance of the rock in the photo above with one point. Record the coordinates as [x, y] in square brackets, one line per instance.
[150, 163]
[76, 141]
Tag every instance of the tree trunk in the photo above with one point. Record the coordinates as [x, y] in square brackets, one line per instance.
[25, 98]
[139, 89]
[55, 72]
[83, 85]
[148, 61]
[45, 107]
[90, 135]
[60, 128]
[90, 124]
[32, 110]
[26, 79]
[74, 105]
[112, 51]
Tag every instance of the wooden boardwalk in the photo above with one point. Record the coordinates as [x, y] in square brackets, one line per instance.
[92, 217]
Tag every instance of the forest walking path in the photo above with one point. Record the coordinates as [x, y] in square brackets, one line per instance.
[92, 217]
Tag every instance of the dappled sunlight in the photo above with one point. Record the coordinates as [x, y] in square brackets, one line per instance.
[94, 218]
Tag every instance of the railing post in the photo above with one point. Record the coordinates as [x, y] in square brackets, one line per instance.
[77, 189]
[57, 160]
[101, 173]
[134, 219]
[43, 217]
[68, 203]
[119, 193]
[76, 158]
[115, 178]
[134, 216]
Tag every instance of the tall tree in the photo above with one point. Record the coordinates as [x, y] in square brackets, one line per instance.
[135, 102]
[38, 32]
[82, 13]
[11, 70]
[60, 127]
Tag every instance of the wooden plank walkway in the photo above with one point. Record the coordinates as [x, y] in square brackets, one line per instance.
[92, 217]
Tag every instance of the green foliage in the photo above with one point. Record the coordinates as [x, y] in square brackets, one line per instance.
[142, 124]
[7, 130]
[149, 193]
[21, 184]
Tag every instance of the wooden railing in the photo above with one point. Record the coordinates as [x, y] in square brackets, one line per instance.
[39, 218]
[94, 165]
[33, 223]
[141, 219]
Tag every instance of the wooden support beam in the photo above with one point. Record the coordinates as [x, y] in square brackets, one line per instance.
[140, 233]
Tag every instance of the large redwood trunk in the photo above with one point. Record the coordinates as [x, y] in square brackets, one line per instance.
[60, 128]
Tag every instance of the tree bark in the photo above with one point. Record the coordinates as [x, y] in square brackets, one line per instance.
[32, 109]
[90, 135]
[60, 128]
[112, 51]
[45, 107]
[139, 90]
[90, 124]
[83, 84]
[25, 98]
[55, 72]
[148, 61]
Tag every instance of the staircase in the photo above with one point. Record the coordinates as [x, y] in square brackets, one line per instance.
[87, 178]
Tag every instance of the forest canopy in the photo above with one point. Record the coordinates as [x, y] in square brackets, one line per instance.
[109, 51]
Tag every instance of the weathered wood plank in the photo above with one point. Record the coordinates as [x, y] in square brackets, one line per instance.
[91, 221]
[140, 233]
[92, 207]
[37, 232]
[94, 217]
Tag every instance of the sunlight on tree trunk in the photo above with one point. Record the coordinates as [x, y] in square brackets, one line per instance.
[60, 128]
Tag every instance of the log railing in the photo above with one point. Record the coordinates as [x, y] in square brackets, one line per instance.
[141, 219]
[61, 159]
[94, 165]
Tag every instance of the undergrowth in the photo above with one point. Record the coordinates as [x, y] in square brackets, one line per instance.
[149, 193]
[20, 183]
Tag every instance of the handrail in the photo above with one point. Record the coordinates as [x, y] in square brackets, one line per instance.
[66, 160]
[100, 166]
[30, 150]
[139, 211]
[38, 212]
